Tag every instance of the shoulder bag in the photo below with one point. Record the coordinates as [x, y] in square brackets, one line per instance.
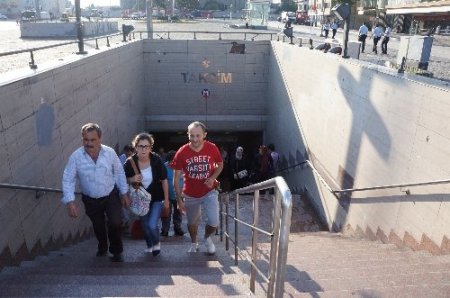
[140, 198]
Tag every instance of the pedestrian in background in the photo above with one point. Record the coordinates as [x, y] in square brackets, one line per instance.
[201, 164]
[152, 176]
[377, 33]
[98, 170]
[174, 211]
[240, 169]
[334, 27]
[387, 35]
[326, 28]
[362, 35]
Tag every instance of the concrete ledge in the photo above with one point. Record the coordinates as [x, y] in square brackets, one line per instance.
[66, 30]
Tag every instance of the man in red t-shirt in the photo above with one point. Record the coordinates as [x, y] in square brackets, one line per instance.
[201, 164]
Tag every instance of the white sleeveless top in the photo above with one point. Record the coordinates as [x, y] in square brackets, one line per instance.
[147, 176]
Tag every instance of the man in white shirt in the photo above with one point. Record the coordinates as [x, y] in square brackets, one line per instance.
[387, 35]
[377, 33]
[363, 30]
[334, 27]
[98, 170]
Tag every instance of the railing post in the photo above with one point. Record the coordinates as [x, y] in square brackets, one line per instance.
[227, 225]
[254, 240]
[274, 243]
[31, 63]
[283, 244]
[221, 216]
[236, 229]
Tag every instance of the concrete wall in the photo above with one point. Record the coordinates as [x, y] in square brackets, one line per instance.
[65, 30]
[364, 126]
[177, 72]
[40, 117]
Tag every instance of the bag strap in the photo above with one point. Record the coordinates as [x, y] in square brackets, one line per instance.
[136, 171]
[133, 164]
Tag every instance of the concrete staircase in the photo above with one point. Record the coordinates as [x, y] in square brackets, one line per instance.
[320, 264]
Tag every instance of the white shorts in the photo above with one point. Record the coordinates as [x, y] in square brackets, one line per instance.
[210, 204]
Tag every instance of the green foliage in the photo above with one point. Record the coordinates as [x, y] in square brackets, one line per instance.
[288, 5]
[188, 4]
[140, 5]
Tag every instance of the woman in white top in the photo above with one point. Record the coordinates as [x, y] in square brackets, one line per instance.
[153, 176]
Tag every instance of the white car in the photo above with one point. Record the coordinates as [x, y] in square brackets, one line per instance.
[3, 17]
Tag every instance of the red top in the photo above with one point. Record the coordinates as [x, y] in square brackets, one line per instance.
[197, 167]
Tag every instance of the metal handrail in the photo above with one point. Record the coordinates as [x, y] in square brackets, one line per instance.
[348, 190]
[9, 53]
[39, 190]
[281, 222]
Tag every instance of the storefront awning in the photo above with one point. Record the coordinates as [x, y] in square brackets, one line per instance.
[418, 10]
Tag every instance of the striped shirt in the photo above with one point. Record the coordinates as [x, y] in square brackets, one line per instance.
[96, 179]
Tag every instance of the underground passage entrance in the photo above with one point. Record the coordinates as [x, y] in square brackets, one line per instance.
[250, 140]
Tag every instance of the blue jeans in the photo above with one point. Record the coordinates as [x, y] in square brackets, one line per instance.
[150, 223]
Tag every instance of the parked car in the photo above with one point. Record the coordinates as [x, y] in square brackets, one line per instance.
[3, 17]
[287, 15]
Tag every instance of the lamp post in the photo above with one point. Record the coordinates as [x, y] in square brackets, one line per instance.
[149, 12]
[79, 25]
[342, 12]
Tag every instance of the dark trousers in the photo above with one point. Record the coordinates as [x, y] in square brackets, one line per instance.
[326, 32]
[334, 33]
[176, 218]
[98, 210]
[384, 45]
[362, 39]
[375, 43]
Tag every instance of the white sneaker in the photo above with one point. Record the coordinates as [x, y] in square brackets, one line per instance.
[210, 247]
[148, 250]
[193, 248]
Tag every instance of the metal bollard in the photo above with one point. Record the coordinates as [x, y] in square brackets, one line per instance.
[402, 66]
[311, 44]
[300, 42]
[107, 41]
[96, 44]
[31, 63]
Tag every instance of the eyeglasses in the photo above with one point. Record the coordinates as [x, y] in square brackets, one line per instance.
[144, 146]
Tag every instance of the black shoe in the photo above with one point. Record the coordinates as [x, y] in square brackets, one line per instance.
[164, 234]
[179, 232]
[116, 258]
[101, 253]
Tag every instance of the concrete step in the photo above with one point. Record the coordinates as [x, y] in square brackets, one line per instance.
[417, 291]
[131, 290]
[175, 280]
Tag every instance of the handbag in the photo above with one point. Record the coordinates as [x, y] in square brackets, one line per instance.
[139, 197]
[242, 174]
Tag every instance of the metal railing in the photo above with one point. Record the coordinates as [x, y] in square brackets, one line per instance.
[165, 34]
[32, 64]
[350, 190]
[40, 191]
[279, 235]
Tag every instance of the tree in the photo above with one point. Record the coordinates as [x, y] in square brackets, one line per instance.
[188, 4]
[288, 5]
